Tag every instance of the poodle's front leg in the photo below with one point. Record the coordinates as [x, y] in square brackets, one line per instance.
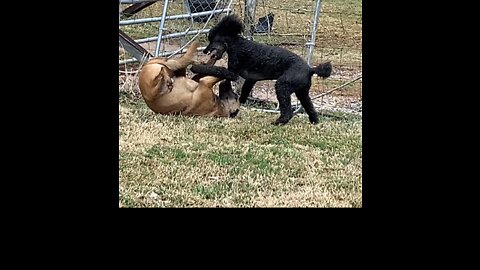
[246, 89]
[216, 71]
[233, 64]
[235, 67]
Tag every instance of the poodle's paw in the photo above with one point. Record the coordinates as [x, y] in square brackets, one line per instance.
[313, 119]
[280, 121]
[277, 123]
[242, 99]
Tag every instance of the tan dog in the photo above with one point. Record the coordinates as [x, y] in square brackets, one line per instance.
[166, 89]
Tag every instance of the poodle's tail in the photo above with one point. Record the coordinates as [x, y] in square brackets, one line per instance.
[323, 70]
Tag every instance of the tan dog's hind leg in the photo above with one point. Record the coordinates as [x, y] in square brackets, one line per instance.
[185, 60]
[156, 61]
[203, 99]
[209, 81]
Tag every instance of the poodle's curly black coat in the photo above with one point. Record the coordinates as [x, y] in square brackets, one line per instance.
[256, 62]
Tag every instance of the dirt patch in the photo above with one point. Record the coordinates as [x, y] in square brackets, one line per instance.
[265, 91]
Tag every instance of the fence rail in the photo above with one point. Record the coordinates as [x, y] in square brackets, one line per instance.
[317, 30]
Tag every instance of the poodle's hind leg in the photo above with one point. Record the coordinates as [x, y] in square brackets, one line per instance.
[209, 81]
[283, 91]
[306, 101]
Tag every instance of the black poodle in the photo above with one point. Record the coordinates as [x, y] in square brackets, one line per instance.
[256, 62]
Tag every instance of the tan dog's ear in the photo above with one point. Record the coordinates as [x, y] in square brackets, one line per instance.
[157, 78]
[167, 79]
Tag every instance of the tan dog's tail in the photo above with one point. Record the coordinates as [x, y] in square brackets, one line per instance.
[185, 60]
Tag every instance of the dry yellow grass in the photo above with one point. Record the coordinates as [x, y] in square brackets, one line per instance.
[175, 161]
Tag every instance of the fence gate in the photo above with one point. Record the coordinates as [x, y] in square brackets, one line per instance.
[165, 28]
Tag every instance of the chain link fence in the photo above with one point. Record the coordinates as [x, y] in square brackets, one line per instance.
[165, 28]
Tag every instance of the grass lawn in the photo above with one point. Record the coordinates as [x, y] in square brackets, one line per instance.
[176, 161]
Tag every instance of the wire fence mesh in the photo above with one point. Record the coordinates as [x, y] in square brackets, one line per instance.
[285, 23]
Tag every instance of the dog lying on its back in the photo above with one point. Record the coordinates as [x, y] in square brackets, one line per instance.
[256, 62]
[166, 89]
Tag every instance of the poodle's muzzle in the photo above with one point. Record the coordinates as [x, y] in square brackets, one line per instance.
[215, 50]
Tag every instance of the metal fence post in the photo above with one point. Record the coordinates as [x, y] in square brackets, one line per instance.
[162, 24]
[249, 18]
[311, 44]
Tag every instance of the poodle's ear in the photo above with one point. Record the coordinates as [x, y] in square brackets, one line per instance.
[230, 25]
